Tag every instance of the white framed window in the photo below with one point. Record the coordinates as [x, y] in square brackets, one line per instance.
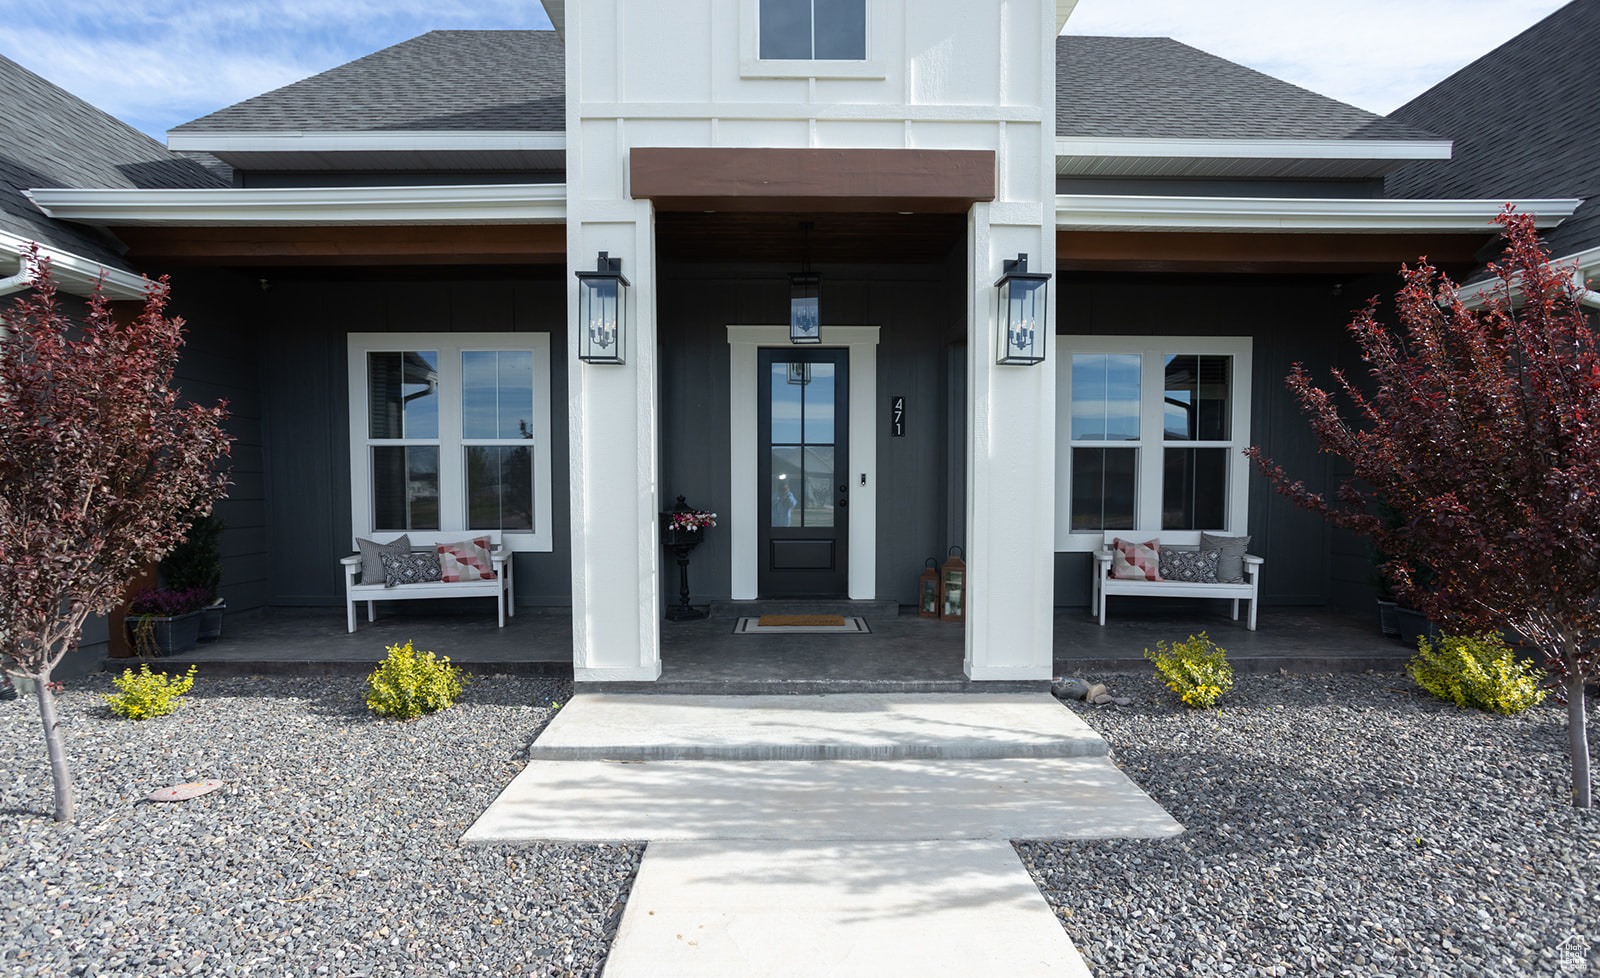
[450, 435]
[1150, 437]
[808, 39]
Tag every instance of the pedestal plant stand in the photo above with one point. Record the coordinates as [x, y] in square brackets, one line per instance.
[681, 531]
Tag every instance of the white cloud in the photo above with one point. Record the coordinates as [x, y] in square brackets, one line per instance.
[1377, 54]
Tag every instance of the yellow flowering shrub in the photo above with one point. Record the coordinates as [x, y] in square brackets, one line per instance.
[1476, 670]
[148, 694]
[1195, 669]
[408, 684]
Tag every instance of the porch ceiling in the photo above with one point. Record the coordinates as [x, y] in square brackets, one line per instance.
[500, 244]
[834, 238]
[1261, 252]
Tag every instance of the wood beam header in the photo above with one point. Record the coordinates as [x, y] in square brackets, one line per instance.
[923, 181]
[1221, 251]
[484, 244]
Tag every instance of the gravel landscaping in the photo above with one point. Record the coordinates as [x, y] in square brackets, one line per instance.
[1345, 825]
[330, 851]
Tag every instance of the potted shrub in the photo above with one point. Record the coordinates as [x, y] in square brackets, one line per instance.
[164, 620]
[195, 564]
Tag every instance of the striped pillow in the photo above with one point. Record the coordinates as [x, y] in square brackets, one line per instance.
[468, 560]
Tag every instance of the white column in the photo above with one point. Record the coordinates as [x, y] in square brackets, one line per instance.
[613, 416]
[1010, 462]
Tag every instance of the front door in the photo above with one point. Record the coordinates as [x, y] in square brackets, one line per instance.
[802, 452]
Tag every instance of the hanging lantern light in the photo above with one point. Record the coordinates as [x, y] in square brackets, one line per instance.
[805, 297]
[602, 312]
[928, 590]
[1022, 312]
[953, 588]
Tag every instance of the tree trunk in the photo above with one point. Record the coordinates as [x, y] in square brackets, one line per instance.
[52, 740]
[1578, 739]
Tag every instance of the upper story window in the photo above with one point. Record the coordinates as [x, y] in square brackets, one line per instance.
[813, 30]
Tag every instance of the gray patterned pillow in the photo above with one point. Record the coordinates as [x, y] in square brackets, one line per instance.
[1194, 566]
[1230, 569]
[409, 568]
[371, 563]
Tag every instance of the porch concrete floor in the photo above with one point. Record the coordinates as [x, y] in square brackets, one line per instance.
[901, 654]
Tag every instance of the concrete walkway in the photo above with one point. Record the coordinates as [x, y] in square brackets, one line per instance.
[826, 835]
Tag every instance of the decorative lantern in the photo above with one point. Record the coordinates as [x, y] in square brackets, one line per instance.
[805, 296]
[928, 591]
[602, 312]
[1022, 313]
[953, 588]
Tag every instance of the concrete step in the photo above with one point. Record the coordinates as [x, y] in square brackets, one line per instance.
[861, 910]
[805, 606]
[857, 726]
[779, 686]
[860, 801]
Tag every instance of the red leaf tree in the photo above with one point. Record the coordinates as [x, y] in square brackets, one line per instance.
[1481, 432]
[101, 469]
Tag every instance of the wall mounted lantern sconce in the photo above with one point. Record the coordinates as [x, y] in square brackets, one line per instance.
[603, 312]
[805, 297]
[1022, 306]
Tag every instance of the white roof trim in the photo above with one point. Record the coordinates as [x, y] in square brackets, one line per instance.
[1063, 11]
[1099, 212]
[1253, 149]
[544, 203]
[387, 141]
[74, 273]
[1584, 265]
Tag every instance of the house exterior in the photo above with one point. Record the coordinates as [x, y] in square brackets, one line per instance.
[1521, 123]
[402, 240]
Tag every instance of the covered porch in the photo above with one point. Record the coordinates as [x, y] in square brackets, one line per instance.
[902, 653]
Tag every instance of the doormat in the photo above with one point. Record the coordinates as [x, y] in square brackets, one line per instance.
[801, 624]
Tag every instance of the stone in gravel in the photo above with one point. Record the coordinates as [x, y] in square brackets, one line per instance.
[1122, 700]
[183, 792]
[1069, 689]
[1096, 690]
[1101, 699]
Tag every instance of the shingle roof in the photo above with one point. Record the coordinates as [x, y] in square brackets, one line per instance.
[51, 138]
[515, 80]
[1524, 123]
[469, 80]
[1157, 87]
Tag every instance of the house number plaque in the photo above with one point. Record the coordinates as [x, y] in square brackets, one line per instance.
[897, 416]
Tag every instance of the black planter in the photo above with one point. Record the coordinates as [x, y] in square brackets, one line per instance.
[211, 621]
[1388, 622]
[169, 636]
[1415, 625]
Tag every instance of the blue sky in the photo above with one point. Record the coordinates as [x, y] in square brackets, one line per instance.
[158, 63]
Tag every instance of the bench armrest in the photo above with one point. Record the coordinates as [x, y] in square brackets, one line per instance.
[499, 556]
[352, 565]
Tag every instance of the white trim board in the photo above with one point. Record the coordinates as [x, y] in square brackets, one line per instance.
[1252, 149]
[743, 514]
[74, 273]
[517, 203]
[1112, 212]
[386, 141]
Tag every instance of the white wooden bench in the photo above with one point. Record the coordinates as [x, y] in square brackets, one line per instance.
[499, 587]
[1106, 585]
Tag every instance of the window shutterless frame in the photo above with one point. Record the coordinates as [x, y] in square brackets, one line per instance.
[752, 65]
[1150, 441]
[452, 445]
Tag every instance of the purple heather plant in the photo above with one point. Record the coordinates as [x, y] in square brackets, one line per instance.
[166, 602]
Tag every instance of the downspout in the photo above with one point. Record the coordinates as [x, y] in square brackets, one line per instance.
[1585, 295]
[18, 282]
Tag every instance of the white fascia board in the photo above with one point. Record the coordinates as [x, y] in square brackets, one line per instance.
[1584, 266]
[1252, 149]
[556, 10]
[388, 141]
[74, 273]
[1114, 212]
[544, 203]
[1063, 11]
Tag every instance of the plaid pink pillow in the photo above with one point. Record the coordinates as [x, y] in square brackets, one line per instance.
[1135, 561]
[465, 561]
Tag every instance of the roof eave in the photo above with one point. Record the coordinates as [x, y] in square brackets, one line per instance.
[74, 273]
[308, 206]
[1107, 212]
[1096, 156]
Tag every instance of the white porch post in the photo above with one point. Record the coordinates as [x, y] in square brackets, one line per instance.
[612, 418]
[1010, 466]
